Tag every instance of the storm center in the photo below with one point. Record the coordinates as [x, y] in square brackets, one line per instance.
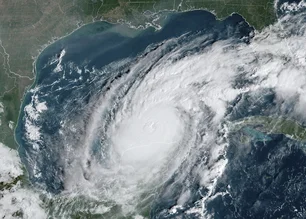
[148, 136]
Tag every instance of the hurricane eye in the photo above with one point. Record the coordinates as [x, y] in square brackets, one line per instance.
[200, 117]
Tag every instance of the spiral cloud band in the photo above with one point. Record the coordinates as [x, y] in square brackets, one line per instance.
[141, 119]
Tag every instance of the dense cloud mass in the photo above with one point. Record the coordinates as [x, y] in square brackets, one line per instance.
[145, 122]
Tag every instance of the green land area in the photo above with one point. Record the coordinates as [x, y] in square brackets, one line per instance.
[272, 125]
[27, 26]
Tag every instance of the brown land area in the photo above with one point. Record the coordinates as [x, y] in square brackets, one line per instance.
[26, 26]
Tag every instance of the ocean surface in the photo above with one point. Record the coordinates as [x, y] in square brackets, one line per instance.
[135, 120]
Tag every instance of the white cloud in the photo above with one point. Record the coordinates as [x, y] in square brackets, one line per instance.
[16, 199]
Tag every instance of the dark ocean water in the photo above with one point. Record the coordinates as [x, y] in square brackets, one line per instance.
[93, 47]
[265, 181]
[265, 176]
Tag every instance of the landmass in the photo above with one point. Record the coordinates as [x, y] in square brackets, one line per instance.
[28, 26]
[273, 125]
[16, 201]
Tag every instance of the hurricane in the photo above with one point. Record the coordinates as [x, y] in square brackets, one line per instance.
[160, 123]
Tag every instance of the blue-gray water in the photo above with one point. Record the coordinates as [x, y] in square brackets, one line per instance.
[95, 46]
[265, 181]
